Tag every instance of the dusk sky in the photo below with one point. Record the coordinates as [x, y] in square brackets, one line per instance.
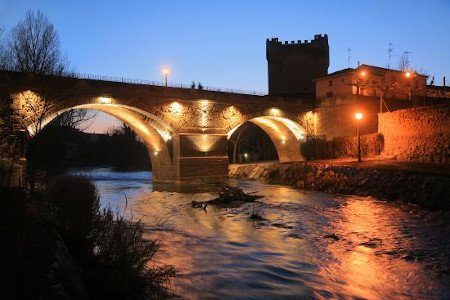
[222, 43]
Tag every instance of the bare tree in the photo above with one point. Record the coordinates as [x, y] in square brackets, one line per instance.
[4, 61]
[31, 110]
[404, 63]
[35, 47]
[75, 118]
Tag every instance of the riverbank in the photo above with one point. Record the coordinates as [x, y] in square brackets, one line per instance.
[421, 184]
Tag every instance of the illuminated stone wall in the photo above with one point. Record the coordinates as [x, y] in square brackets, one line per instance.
[335, 117]
[420, 134]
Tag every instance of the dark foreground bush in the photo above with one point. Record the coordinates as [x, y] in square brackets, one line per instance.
[34, 260]
[110, 250]
[75, 203]
[120, 265]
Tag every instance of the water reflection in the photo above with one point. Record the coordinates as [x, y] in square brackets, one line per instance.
[310, 245]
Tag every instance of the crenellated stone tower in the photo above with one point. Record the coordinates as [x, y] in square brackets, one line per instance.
[293, 66]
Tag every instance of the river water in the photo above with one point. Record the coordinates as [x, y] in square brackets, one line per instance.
[310, 245]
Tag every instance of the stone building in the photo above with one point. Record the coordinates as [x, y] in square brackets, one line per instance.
[293, 66]
[371, 81]
[366, 89]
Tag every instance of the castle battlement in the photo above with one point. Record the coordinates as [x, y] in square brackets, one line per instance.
[318, 38]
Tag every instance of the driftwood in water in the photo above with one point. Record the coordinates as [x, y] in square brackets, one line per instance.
[228, 197]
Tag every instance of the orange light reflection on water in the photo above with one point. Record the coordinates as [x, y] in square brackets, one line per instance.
[361, 266]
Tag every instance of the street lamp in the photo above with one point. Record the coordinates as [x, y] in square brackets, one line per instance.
[166, 72]
[359, 83]
[358, 117]
[409, 76]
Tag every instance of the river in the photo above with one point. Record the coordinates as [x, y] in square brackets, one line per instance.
[310, 245]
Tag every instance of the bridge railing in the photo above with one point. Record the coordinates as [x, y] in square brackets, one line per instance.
[162, 84]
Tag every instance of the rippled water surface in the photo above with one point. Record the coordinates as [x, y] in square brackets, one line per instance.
[309, 245]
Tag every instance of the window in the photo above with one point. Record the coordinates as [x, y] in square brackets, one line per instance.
[331, 83]
[329, 94]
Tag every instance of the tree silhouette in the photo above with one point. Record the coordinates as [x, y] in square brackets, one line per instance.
[4, 60]
[35, 47]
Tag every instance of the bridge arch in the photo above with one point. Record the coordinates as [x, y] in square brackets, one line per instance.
[154, 133]
[285, 134]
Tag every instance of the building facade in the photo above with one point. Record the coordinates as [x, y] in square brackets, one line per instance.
[367, 80]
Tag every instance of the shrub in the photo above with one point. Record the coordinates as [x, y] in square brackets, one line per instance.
[120, 265]
[76, 205]
[110, 249]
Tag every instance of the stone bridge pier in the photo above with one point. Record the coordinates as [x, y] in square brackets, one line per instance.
[185, 130]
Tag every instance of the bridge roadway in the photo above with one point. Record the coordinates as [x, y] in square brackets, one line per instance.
[184, 129]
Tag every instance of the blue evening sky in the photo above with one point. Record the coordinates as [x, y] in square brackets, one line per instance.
[222, 43]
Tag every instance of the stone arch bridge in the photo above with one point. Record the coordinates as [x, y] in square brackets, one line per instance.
[185, 130]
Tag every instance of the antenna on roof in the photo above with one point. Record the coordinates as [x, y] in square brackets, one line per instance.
[349, 56]
[390, 50]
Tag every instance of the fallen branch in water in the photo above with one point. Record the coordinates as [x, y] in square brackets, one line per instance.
[228, 197]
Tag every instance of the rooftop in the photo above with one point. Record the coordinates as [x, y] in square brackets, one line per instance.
[379, 71]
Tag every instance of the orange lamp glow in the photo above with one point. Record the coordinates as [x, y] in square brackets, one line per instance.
[408, 74]
[363, 73]
[105, 100]
[166, 71]
[358, 116]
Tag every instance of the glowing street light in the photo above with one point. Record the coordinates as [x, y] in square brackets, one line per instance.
[358, 117]
[408, 76]
[105, 100]
[166, 72]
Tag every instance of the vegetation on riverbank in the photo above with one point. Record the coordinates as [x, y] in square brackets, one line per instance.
[60, 244]
[387, 181]
[57, 148]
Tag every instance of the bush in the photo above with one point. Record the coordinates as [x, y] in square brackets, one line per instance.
[119, 268]
[371, 145]
[111, 251]
[317, 149]
[76, 205]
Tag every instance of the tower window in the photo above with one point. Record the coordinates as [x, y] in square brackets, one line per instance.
[331, 83]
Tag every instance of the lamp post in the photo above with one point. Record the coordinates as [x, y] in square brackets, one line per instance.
[408, 76]
[166, 72]
[358, 117]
